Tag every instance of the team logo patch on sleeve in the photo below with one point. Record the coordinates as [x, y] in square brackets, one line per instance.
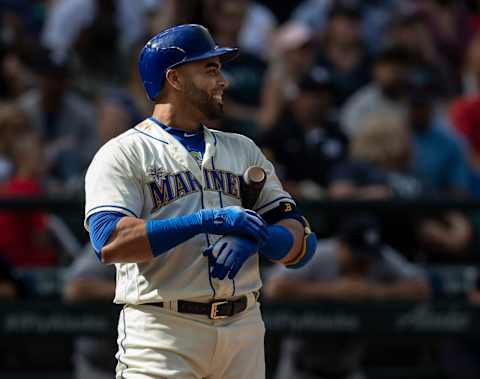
[287, 207]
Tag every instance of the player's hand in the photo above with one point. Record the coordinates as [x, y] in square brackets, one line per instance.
[228, 255]
[235, 220]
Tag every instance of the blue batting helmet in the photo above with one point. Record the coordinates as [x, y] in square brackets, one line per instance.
[175, 46]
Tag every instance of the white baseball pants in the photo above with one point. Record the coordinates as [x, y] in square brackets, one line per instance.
[157, 343]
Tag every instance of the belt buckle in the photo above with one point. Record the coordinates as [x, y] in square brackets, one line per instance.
[214, 310]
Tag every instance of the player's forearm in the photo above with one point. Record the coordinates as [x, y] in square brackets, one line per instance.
[128, 243]
[136, 240]
[297, 231]
[290, 242]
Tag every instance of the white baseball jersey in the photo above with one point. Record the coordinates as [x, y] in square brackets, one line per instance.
[146, 173]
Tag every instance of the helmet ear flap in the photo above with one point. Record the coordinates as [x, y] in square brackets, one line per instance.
[154, 63]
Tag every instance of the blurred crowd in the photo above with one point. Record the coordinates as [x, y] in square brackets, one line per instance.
[351, 99]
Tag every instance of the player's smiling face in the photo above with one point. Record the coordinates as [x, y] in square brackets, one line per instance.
[204, 85]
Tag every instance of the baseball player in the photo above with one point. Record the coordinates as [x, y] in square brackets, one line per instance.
[164, 204]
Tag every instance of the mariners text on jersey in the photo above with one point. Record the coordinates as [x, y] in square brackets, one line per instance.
[168, 187]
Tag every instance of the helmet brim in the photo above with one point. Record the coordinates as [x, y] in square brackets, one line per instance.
[224, 53]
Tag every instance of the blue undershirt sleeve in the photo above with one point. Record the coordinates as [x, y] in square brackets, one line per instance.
[101, 226]
[164, 235]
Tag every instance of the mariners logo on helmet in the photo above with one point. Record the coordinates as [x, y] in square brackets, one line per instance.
[175, 46]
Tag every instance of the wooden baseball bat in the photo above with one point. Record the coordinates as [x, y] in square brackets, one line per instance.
[251, 185]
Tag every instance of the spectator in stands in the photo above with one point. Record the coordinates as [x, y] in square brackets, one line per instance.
[162, 14]
[440, 157]
[116, 113]
[380, 162]
[463, 111]
[65, 122]
[412, 33]
[474, 15]
[386, 93]
[95, 36]
[258, 22]
[307, 142]
[258, 26]
[470, 75]
[67, 19]
[25, 239]
[344, 53]
[130, 87]
[15, 77]
[355, 265]
[245, 73]
[464, 117]
[374, 16]
[20, 22]
[292, 57]
[13, 122]
[87, 280]
[381, 167]
[448, 22]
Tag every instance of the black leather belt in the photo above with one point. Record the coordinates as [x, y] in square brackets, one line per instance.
[215, 310]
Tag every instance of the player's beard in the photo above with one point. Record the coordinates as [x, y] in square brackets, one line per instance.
[204, 102]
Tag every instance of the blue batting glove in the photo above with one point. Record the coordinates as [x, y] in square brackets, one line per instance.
[228, 255]
[234, 220]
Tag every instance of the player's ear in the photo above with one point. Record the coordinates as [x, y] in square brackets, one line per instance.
[173, 77]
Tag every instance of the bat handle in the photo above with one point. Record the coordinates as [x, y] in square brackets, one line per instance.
[252, 183]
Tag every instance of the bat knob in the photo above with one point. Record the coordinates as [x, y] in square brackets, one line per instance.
[252, 183]
[254, 175]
